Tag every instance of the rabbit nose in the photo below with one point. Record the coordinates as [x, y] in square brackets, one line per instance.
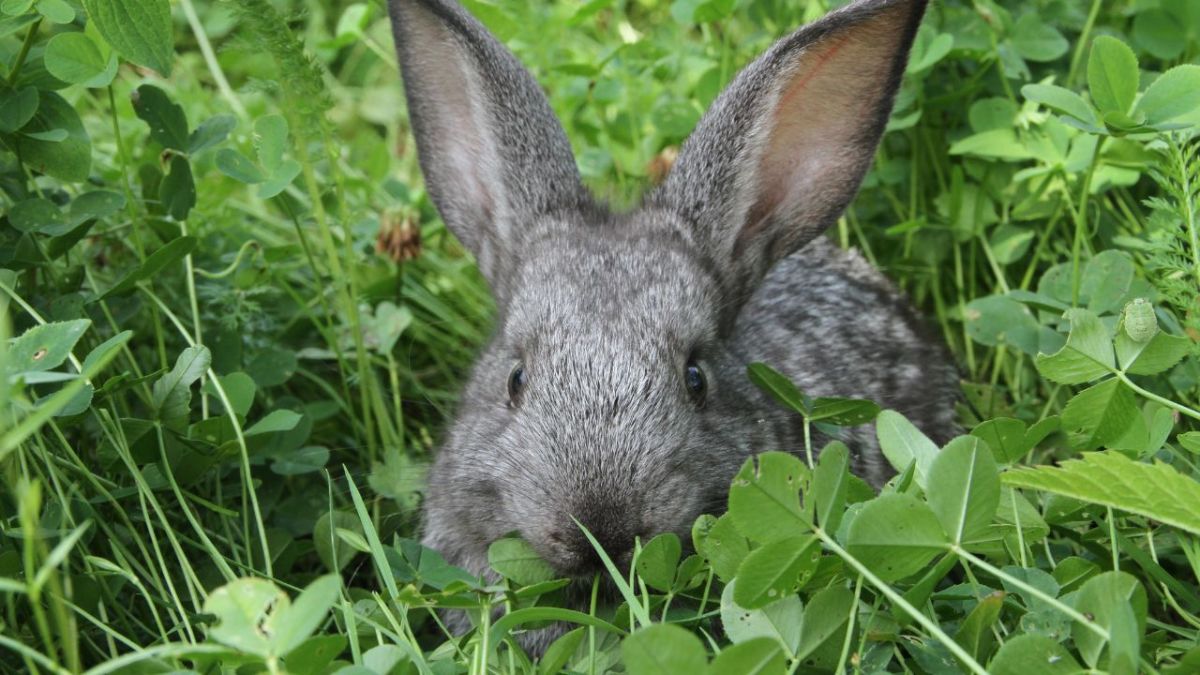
[574, 554]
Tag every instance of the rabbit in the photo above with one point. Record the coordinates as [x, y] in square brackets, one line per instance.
[614, 389]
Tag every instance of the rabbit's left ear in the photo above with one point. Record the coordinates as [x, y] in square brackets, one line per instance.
[783, 150]
[493, 154]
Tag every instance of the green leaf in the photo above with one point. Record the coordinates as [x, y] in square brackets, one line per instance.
[1099, 414]
[140, 30]
[663, 649]
[169, 254]
[776, 570]
[1036, 39]
[1029, 654]
[996, 320]
[17, 107]
[1061, 100]
[723, 546]
[1087, 355]
[1112, 75]
[295, 623]
[657, 562]
[764, 500]
[1154, 356]
[279, 181]
[516, 560]
[1110, 598]
[171, 395]
[1106, 280]
[1160, 34]
[902, 444]
[309, 459]
[825, 619]
[95, 205]
[271, 134]
[77, 59]
[1009, 439]
[780, 620]
[334, 553]
[1156, 491]
[1174, 94]
[778, 386]
[992, 144]
[38, 215]
[211, 132]
[761, 656]
[68, 157]
[556, 656]
[1190, 441]
[43, 348]
[964, 488]
[275, 422]
[975, 633]
[168, 123]
[895, 536]
[246, 611]
[831, 479]
[55, 11]
[16, 7]
[844, 412]
[177, 191]
[314, 654]
[235, 165]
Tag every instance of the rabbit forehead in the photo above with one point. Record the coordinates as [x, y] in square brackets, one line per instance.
[624, 285]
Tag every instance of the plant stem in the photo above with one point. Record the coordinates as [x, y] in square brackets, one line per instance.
[926, 623]
[26, 45]
[210, 60]
[1177, 407]
[1081, 220]
[1082, 42]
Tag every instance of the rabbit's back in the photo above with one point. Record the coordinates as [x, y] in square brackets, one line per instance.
[838, 327]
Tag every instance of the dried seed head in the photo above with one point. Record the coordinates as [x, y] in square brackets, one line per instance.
[660, 165]
[399, 236]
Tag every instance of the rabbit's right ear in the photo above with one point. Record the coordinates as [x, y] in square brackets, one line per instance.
[782, 151]
[493, 153]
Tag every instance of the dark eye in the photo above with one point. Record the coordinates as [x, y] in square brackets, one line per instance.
[693, 378]
[516, 383]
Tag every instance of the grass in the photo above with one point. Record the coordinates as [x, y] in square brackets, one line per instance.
[260, 384]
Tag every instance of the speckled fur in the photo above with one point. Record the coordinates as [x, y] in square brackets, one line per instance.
[723, 263]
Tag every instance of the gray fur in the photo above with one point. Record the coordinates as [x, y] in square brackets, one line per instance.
[604, 309]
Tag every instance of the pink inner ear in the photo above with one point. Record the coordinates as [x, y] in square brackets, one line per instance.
[457, 120]
[813, 155]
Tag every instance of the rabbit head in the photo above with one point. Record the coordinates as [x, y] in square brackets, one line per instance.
[612, 394]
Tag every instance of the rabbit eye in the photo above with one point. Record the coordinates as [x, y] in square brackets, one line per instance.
[693, 377]
[516, 383]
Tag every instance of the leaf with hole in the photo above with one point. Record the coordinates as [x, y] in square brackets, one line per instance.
[780, 620]
[764, 500]
[775, 570]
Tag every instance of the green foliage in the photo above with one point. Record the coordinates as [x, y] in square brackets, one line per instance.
[222, 285]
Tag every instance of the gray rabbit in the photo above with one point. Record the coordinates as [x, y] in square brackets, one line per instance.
[614, 390]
